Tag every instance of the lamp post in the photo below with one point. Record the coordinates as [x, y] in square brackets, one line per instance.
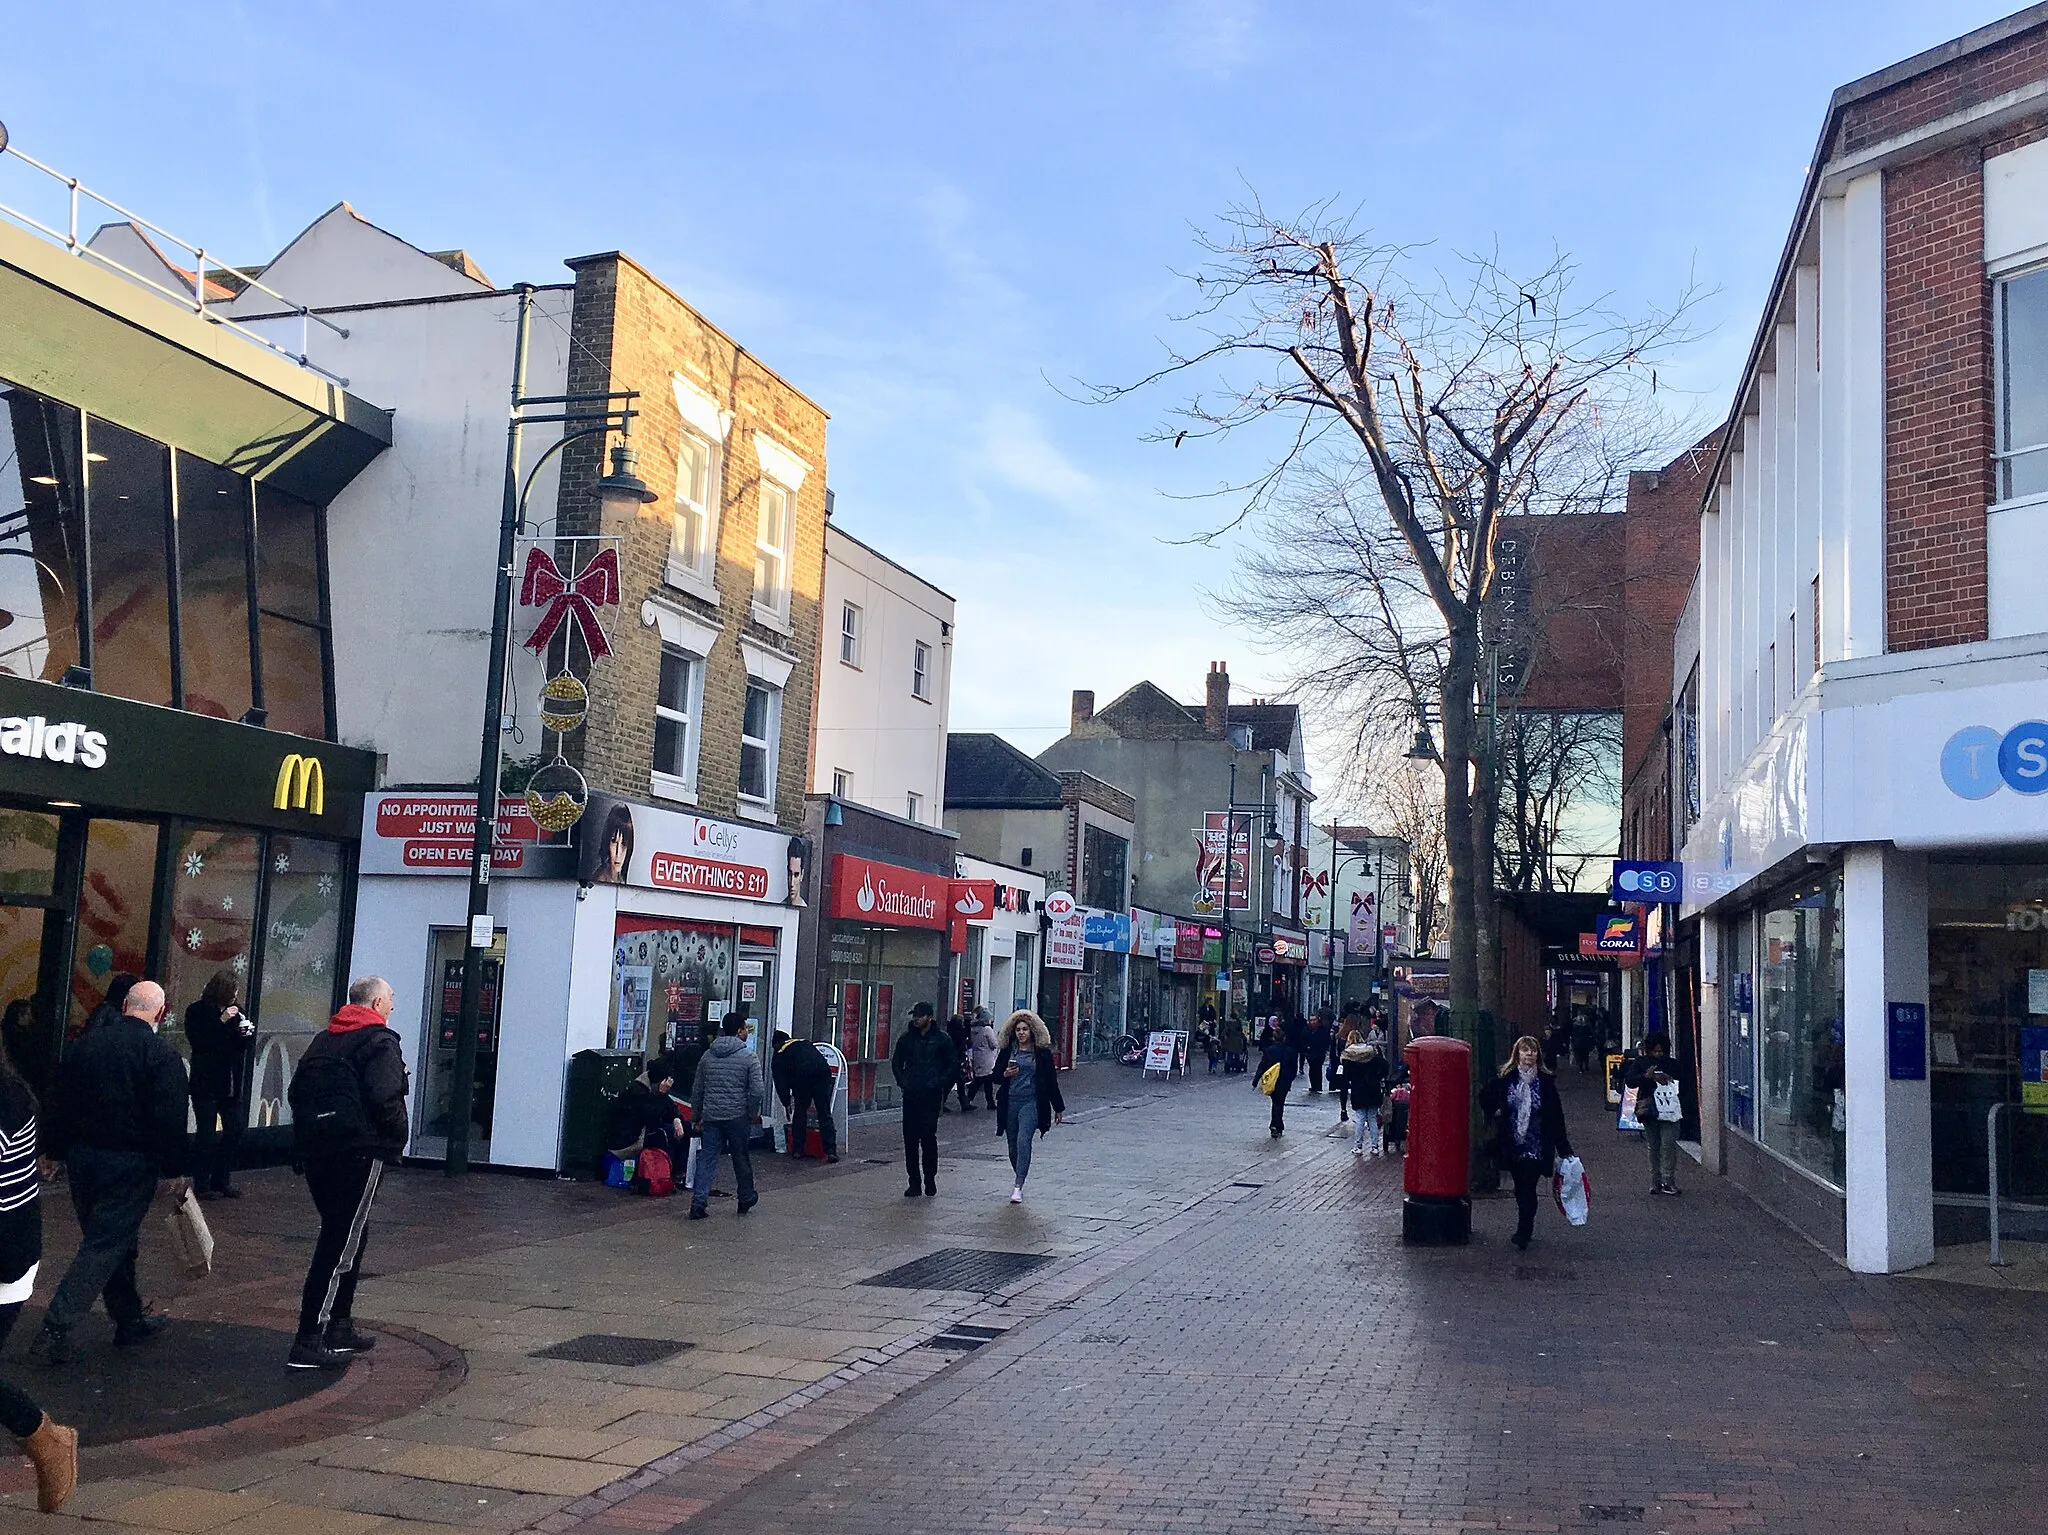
[1255, 811]
[581, 415]
[1336, 859]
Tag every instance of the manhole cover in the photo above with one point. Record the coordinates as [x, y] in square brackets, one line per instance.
[609, 1348]
[960, 1268]
[1614, 1513]
[955, 1343]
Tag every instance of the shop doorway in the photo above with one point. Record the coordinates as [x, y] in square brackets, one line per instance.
[439, 1027]
[755, 983]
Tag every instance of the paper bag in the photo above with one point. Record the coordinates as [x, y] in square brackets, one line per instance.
[191, 1238]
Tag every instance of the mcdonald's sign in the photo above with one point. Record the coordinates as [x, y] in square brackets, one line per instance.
[301, 785]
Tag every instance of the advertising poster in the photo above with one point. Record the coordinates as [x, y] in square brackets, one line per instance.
[1214, 870]
[2034, 1069]
[629, 1025]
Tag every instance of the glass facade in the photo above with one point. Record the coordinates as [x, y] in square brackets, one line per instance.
[1786, 1083]
[876, 975]
[175, 550]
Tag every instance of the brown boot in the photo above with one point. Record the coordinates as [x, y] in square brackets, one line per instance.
[53, 1449]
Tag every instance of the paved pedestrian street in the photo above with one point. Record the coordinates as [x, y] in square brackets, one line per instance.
[1229, 1337]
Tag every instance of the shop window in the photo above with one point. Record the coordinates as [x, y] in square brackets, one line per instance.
[693, 546]
[289, 588]
[875, 976]
[1104, 860]
[1802, 1109]
[757, 741]
[214, 875]
[302, 960]
[849, 635]
[28, 854]
[114, 910]
[2021, 368]
[41, 535]
[1021, 974]
[771, 551]
[676, 706]
[128, 517]
[669, 982]
[213, 593]
[1740, 1029]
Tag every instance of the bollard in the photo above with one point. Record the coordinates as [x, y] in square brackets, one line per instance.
[1436, 1204]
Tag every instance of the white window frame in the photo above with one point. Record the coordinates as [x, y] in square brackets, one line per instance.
[771, 670]
[852, 622]
[707, 426]
[921, 672]
[842, 784]
[682, 786]
[767, 745]
[913, 807]
[782, 478]
[684, 631]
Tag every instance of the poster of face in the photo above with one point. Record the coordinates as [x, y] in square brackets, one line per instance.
[629, 1027]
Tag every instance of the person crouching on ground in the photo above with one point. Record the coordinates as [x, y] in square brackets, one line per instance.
[803, 1081]
[645, 1115]
[1529, 1133]
[725, 1104]
[1028, 1103]
[925, 1066]
[348, 1122]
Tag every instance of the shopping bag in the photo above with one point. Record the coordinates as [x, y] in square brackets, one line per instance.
[1269, 1079]
[1628, 1120]
[1665, 1100]
[1572, 1190]
[191, 1238]
[618, 1171]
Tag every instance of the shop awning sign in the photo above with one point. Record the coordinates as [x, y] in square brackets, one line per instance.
[1637, 879]
[888, 895]
[1064, 945]
[1288, 949]
[1617, 932]
[1109, 930]
[620, 842]
[433, 834]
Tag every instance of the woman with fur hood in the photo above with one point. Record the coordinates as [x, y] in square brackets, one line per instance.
[1028, 1101]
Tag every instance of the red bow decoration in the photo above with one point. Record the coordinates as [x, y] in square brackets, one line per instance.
[597, 586]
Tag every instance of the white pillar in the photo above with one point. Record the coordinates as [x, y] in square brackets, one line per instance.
[1712, 1070]
[1890, 1137]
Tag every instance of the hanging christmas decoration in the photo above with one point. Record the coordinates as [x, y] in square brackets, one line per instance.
[573, 602]
[556, 795]
[564, 702]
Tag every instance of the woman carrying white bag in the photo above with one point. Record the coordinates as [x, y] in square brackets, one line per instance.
[1529, 1133]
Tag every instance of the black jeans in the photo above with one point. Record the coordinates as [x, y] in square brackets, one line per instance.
[1527, 1172]
[1281, 1089]
[802, 1100]
[342, 1190]
[111, 1191]
[214, 1151]
[1315, 1074]
[921, 1139]
[20, 1414]
[986, 1085]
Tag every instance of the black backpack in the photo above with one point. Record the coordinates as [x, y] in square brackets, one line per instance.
[327, 1103]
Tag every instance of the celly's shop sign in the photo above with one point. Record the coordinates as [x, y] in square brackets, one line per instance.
[105, 753]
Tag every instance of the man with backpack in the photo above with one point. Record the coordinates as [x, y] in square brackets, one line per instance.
[348, 1120]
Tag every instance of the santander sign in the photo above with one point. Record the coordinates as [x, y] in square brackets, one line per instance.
[886, 895]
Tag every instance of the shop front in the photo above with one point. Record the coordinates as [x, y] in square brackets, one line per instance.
[885, 933]
[633, 934]
[1285, 954]
[995, 909]
[165, 844]
[1102, 987]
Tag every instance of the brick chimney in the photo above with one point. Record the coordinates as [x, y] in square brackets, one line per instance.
[1216, 709]
[1084, 708]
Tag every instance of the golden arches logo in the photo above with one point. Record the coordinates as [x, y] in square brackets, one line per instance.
[301, 785]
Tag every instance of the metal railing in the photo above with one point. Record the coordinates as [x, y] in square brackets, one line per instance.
[193, 298]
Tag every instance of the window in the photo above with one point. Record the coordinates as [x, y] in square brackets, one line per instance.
[675, 713]
[921, 672]
[842, 783]
[913, 807]
[693, 546]
[771, 551]
[213, 607]
[128, 512]
[42, 525]
[757, 741]
[1792, 1016]
[1104, 858]
[288, 586]
[2021, 368]
[849, 635]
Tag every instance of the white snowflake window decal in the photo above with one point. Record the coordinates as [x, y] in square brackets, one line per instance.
[283, 864]
[227, 903]
[319, 965]
[194, 938]
[195, 865]
[327, 884]
[241, 964]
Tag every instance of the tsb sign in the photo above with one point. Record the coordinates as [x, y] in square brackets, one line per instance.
[1978, 761]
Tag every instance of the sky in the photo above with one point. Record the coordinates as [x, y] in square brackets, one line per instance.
[940, 220]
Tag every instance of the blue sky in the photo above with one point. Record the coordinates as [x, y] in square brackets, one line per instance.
[920, 213]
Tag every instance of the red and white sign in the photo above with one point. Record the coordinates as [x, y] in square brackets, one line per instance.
[1066, 946]
[433, 834]
[624, 843]
[968, 900]
[1060, 905]
[887, 895]
[707, 876]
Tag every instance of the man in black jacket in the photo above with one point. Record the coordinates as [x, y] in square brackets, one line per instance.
[925, 1066]
[348, 1120]
[804, 1079]
[118, 1120]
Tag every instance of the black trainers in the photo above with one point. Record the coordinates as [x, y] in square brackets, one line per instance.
[748, 1204]
[140, 1330]
[312, 1353]
[911, 1192]
[699, 1213]
[930, 1188]
[343, 1338]
[831, 1156]
[51, 1346]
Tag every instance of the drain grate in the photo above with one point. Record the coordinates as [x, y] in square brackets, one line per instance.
[964, 1337]
[610, 1348]
[960, 1268]
[1247, 1185]
[1614, 1513]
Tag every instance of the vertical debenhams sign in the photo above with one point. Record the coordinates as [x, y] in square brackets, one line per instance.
[65, 741]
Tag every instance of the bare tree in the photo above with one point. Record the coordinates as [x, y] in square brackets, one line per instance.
[1415, 411]
[1553, 763]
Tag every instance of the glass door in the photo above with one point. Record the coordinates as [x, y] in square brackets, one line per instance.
[116, 905]
[443, 1015]
[34, 917]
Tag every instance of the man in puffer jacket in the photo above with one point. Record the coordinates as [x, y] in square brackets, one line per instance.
[726, 1101]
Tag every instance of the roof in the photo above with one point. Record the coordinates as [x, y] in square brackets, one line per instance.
[1145, 712]
[1273, 725]
[983, 771]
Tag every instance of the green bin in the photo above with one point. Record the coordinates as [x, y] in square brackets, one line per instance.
[596, 1077]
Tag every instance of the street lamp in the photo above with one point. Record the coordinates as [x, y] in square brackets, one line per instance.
[1378, 869]
[618, 492]
[1254, 811]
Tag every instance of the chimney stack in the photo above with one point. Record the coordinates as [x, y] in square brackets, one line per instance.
[1216, 709]
[1084, 708]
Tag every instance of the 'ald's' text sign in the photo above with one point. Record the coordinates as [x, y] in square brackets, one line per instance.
[67, 741]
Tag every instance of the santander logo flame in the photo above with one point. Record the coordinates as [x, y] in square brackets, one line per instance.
[864, 898]
[969, 904]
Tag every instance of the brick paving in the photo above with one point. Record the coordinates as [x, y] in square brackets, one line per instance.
[1274, 1360]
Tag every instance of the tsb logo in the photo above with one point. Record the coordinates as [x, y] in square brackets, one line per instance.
[1977, 761]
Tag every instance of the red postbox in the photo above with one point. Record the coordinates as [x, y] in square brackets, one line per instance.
[1436, 1208]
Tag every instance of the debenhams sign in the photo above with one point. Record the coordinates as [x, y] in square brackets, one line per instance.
[66, 741]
